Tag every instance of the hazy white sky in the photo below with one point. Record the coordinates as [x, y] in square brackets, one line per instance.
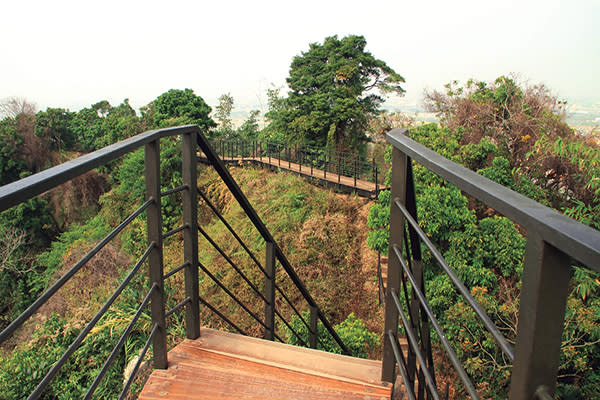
[74, 53]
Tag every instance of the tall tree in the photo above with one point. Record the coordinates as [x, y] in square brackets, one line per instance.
[223, 115]
[178, 107]
[335, 87]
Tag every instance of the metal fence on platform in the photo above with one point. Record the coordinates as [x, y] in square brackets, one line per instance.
[553, 242]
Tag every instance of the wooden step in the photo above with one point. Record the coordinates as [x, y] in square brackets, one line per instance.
[222, 365]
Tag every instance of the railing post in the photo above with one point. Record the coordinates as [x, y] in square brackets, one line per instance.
[355, 170]
[546, 275]
[376, 183]
[270, 292]
[339, 167]
[190, 233]
[314, 317]
[398, 191]
[155, 258]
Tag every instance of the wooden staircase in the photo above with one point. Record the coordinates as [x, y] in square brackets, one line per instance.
[221, 365]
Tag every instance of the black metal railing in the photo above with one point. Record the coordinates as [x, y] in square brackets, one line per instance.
[191, 138]
[343, 169]
[553, 241]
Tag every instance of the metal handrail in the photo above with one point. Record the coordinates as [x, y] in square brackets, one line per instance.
[575, 239]
[553, 242]
[29, 187]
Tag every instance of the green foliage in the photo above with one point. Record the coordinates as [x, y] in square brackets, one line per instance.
[52, 126]
[179, 107]
[132, 183]
[329, 102]
[249, 130]
[352, 331]
[25, 367]
[476, 155]
[11, 165]
[500, 172]
[516, 137]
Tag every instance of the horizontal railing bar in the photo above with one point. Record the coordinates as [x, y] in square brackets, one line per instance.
[5, 334]
[222, 316]
[26, 188]
[120, 343]
[90, 325]
[291, 329]
[231, 295]
[233, 232]
[573, 238]
[174, 231]
[482, 315]
[230, 261]
[400, 361]
[174, 190]
[440, 332]
[175, 270]
[138, 363]
[219, 166]
[412, 341]
[289, 302]
[177, 307]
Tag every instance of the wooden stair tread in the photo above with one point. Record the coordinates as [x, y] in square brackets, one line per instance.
[225, 365]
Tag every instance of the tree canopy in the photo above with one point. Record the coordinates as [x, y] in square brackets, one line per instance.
[178, 107]
[335, 87]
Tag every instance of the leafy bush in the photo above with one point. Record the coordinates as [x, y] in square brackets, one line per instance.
[352, 331]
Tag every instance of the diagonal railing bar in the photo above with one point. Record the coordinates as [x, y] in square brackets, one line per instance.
[177, 307]
[175, 270]
[401, 365]
[233, 232]
[483, 317]
[412, 340]
[90, 325]
[136, 367]
[5, 334]
[289, 302]
[120, 343]
[291, 329]
[222, 316]
[231, 295]
[230, 261]
[174, 190]
[174, 231]
[451, 353]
